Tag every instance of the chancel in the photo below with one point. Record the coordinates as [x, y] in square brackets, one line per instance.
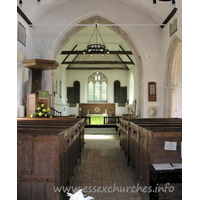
[99, 95]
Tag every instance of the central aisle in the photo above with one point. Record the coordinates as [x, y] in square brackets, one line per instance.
[103, 173]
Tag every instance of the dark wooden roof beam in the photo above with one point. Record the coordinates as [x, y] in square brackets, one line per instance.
[168, 18]
[92, 68]
[24, 16]
[98, 52]
[126, 54]
[63, 62]
[122, 61]
[98, 63]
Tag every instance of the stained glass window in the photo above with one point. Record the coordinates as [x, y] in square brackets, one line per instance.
[97, 87]
[104, 91]
[90, 91]
[97, 91]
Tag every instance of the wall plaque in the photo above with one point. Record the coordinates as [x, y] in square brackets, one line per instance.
[173, 27]
[152, 91]
[21, 34]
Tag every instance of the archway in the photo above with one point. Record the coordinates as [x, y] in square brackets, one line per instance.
[173, 60]
[118, 30]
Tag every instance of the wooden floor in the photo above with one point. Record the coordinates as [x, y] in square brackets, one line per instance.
[104, 167]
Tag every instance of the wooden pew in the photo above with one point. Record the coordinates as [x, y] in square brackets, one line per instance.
[60, 121]
[143, 143]
[47, 160]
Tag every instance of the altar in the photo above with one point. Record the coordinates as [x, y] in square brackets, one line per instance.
[96, 118]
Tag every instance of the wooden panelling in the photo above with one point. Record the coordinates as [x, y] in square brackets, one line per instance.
[146, 138]
[110, 107]
[44, 160]
[36, 80]
[120, 94]
[116, 91]
[76, 92]
[70, 94]
[123, 94]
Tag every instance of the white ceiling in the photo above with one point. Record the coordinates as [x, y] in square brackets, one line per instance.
[158, 14]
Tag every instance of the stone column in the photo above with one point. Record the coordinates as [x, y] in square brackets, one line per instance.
[172, 106]
[166, 104]
[20, 106]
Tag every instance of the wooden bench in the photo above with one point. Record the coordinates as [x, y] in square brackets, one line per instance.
[48, 153]
[143, 143]
[58, 121]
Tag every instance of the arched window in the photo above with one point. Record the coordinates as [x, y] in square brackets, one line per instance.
[97, 87]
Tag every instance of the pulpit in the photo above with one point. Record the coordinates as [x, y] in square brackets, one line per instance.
[37, 95]
[33, 98]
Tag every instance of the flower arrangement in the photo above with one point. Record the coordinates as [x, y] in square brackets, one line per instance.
[41, 111]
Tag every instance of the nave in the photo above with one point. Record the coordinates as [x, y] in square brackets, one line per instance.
[104, 166]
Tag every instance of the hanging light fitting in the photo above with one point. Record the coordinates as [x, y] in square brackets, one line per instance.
[97, 47]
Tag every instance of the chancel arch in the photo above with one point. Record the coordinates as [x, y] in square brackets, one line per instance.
[123, 34]
[172, 76]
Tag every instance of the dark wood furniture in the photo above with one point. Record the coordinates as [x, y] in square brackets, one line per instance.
[48, 155]
[162, 176]
[31, 101]
[96, 108]
[37, 66]
[143, 142]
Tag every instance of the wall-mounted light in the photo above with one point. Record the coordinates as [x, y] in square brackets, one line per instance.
[173, 2]
[21, 3]
[54, 93]
[38, 2]
[154, 3]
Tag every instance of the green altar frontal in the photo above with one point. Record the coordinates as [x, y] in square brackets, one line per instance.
[96, 118]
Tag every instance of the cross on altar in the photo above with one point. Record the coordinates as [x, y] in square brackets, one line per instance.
[43, 94]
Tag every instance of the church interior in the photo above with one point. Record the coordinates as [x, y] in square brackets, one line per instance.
[99, 99]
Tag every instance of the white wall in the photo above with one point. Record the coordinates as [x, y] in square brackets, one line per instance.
[27, 50]
[179, 98]
[152, 42]
[23, 74]
[60, 104]
[166, 40]
[112, 75]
